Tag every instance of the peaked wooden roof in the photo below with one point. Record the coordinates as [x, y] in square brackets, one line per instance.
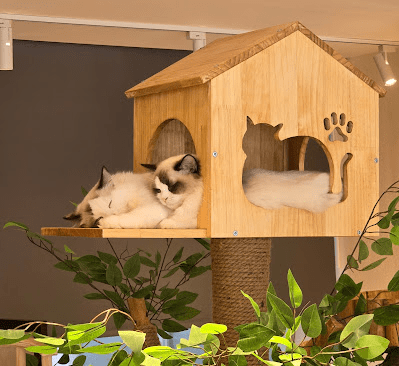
[222, 54]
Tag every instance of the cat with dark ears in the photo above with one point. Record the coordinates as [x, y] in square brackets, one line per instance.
[168, 197]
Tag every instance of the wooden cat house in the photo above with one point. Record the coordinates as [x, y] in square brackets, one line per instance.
[253, 101]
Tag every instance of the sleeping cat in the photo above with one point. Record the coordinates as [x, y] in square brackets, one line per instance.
[168, 197]
[299, 189]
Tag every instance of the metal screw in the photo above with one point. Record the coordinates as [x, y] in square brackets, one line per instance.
[359, 232]
[375, 160]
[235, 233]
[214, 154]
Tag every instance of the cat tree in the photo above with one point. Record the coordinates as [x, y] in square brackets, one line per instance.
[287, 82]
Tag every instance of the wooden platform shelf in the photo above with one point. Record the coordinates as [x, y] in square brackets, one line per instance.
[124, 233]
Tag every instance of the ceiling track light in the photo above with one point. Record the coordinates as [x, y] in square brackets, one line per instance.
[381, 60]
[6, 53]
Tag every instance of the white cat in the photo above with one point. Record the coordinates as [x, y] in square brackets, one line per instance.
[169, 197]
[299, 189]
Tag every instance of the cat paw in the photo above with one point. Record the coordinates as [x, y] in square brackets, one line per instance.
[337, 133]
[175, 224]
[109, 222]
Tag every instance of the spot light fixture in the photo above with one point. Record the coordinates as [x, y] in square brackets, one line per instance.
[381, 60]
[6, 54]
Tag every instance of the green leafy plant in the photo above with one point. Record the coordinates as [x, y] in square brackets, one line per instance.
[118, 276]
[386, 225]
[272, 333]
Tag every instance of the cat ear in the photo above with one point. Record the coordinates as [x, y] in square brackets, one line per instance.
[72, 216]
[189, 164]
[151, 167]
[105, 178]
[249, 123]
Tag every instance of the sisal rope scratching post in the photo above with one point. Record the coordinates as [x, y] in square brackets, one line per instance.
[238, 264]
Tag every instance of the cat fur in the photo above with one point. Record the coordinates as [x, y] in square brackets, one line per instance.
[127, 199]
[299, 189]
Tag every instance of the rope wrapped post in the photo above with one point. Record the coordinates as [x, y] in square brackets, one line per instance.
[238, 264]
[138, 311]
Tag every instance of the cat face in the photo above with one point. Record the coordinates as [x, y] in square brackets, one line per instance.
[82, 215]
[175, 179]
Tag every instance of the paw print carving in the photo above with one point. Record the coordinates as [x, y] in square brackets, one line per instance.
[340, 127]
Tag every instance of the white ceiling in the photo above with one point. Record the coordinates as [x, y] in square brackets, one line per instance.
[365, 19]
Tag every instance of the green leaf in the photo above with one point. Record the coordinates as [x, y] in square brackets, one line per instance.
[47, 350]
[394, 283]
[178, 255]
[82, 278]
[197, 271]
[163, 334]
[352, 262]
[186, 297]
[119, 320]
[147, 262]
[394, 235]
[84, 336]
[385, 222]
[344, 281]
[254, 336]
[118, 357]
[113, 275]
[103, 349]
[145, 291]
[363, 251]
[95, 296]
[79, 361]
[373, 265]
[17, 224]
[184, 313]
[386, 315]
[361, 305]
[213, 328]
[237, 360]
[84, 192]
[382, 246]
[295, 291]
[204, 243]
[392, 205]
[356, 328]
[376, 345]
[253, 303]
[282, 310]
[172, 326]
[158, 259]
[67, 265]
[132, 266]
[171, 272]
[134, 340]
[12, 333]
[124, 288]
[311, 323]
[31, 360]
[395, 219]
[107, 258]
[168, 293]
[76, 205]
[49, 340]
[68, 250]
[342, 361]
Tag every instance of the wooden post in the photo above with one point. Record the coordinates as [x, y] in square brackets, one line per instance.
[138, 311]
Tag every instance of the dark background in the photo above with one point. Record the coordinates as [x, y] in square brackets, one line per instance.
[63, 114]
